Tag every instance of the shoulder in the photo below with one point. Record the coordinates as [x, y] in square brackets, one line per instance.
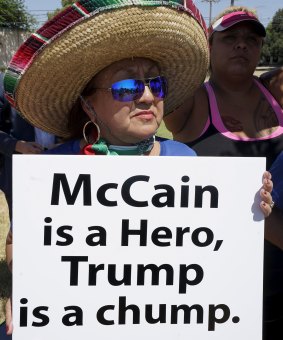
[170, 147]
[277, 170]
[273, 81]
[272, 75]
[279, 161]
[68, 148]
[190, 118]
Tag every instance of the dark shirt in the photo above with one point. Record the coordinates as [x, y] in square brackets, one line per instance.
[13, 128]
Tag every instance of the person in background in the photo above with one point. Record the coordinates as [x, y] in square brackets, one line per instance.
[17, 136]
[276, 171]
[277, 178]
[274, 309]
[235, 113]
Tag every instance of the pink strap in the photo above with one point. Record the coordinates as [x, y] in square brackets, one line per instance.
[217, 121]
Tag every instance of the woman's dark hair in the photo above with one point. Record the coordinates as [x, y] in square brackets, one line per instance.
[77, 117]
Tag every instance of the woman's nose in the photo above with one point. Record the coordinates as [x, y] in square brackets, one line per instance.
[241, 43]
[147, 96]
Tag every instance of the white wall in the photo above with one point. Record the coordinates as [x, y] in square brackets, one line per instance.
[10, 40]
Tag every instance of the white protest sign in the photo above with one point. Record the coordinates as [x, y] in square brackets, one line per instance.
[137, 248]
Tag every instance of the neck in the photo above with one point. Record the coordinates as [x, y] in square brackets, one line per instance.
[141, 148]
[232, 85]
[103, 148]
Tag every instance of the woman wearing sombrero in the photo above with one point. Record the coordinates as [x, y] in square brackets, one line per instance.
[110, 66]
[98, 75]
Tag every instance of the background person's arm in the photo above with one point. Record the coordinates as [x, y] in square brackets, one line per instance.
[10, 145]
[274, 228]
[9, 243]
[175, 121]
[28, 147]
[274, 223]
[187, 122]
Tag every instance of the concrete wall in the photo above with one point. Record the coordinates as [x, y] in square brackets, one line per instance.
[10, 40]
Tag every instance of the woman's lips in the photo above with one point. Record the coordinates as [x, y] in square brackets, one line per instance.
[240, 58]
[145, 114]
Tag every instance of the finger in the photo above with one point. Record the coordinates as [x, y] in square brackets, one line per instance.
[36, 145]
[9, 328]
[37, 151]
[266, 196]
[267, 175]
[267, 202]
[265, 208]
[267, 185]
[9, 324]
[33, 150]
[267, 181]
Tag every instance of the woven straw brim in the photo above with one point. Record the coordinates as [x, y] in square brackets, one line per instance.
[50, 86]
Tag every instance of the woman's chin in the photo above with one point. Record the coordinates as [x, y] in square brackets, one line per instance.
[148, 134]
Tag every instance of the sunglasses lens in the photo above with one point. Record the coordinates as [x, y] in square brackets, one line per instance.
[132, 89]
[159, 87]
[127, 90]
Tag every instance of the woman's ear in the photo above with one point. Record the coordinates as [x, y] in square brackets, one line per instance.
[87, 107]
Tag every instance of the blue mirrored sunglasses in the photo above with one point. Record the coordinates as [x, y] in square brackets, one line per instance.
[132, 89]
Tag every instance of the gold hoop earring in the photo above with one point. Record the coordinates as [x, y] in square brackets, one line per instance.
[95, 133]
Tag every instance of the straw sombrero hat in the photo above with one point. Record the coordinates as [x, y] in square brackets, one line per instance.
[50, 70]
